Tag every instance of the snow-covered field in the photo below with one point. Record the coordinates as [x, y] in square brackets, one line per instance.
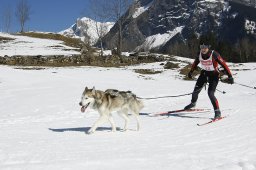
[23, 45]
[42, 126]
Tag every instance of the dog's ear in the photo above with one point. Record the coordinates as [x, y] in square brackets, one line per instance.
[93, 90]
[86, 88]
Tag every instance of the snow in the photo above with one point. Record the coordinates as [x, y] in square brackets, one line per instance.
[158, 40]
[42, 127]
[23, 45]
[127, 54]
[86, 26]
[107, 52]
[214, 1]
[141, 10]
[250, 26]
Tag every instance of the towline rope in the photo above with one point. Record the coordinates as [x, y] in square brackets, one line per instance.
[148, 98]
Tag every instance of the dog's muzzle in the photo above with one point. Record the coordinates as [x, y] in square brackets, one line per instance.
[83, 108]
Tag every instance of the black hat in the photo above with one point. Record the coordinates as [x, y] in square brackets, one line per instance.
[205, 46]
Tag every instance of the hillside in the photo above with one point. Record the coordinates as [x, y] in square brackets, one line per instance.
[49, 49]
[41, 44]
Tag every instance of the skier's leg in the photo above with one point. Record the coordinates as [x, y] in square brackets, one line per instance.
[198, 87]
[213, 82]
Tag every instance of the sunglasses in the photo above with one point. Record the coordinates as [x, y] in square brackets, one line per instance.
[204, 46]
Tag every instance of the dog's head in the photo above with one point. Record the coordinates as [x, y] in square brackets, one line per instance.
[87, 98]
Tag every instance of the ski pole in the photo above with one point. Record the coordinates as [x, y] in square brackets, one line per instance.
[223, 92]
[245, 85]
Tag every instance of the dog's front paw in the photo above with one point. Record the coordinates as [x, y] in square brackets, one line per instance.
[113, 130]
[89, 132]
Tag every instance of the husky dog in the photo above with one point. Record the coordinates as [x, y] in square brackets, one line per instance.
[110, 101]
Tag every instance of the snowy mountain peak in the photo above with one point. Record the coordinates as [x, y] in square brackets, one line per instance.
[86, 29]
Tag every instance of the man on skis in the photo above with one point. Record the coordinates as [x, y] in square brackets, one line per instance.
[209, 60]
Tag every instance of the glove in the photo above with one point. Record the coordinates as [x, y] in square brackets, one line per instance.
[190, 74]
[230, 80]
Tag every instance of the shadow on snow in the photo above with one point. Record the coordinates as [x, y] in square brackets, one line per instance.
[81, 129]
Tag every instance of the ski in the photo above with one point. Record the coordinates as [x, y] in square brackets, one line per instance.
[212, 121]
[178, 111]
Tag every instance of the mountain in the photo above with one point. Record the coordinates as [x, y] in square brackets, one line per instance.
[85, 28]
[159, 24]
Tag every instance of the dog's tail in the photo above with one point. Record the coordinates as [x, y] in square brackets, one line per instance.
[135, 105]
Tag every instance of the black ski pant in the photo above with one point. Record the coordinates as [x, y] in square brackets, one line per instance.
[213, 79]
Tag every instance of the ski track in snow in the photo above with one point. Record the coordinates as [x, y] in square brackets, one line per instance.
[42, 127]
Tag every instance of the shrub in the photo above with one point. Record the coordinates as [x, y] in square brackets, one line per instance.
[147, 71]
[185, 70]
[171, 65]
[73, 42]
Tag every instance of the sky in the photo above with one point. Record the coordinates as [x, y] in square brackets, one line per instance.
[47, 15]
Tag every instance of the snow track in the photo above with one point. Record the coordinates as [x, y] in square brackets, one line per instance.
[42, 127]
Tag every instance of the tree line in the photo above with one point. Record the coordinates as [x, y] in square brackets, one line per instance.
[243, 50]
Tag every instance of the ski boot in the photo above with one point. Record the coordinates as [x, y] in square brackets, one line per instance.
[217, 114]
[190, 106]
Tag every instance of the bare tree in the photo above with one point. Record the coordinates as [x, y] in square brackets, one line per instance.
[86, 35]
[7, 17]
[23, 13]
[100, 14]
[117, 9]
[109, 10]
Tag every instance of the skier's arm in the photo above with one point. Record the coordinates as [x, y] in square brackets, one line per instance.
[194, 65]
[220, 60]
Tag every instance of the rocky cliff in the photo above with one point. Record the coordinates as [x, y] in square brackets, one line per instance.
[158, 24]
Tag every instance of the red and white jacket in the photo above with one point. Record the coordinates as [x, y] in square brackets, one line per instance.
[210, 61]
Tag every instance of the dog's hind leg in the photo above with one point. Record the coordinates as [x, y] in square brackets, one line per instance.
[138, 121]
[100, 121]
[111, 120]
[124, 114]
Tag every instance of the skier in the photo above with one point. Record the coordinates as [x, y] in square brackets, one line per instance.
[209, 60]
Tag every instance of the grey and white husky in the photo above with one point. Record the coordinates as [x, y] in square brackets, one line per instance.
[108, 102]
